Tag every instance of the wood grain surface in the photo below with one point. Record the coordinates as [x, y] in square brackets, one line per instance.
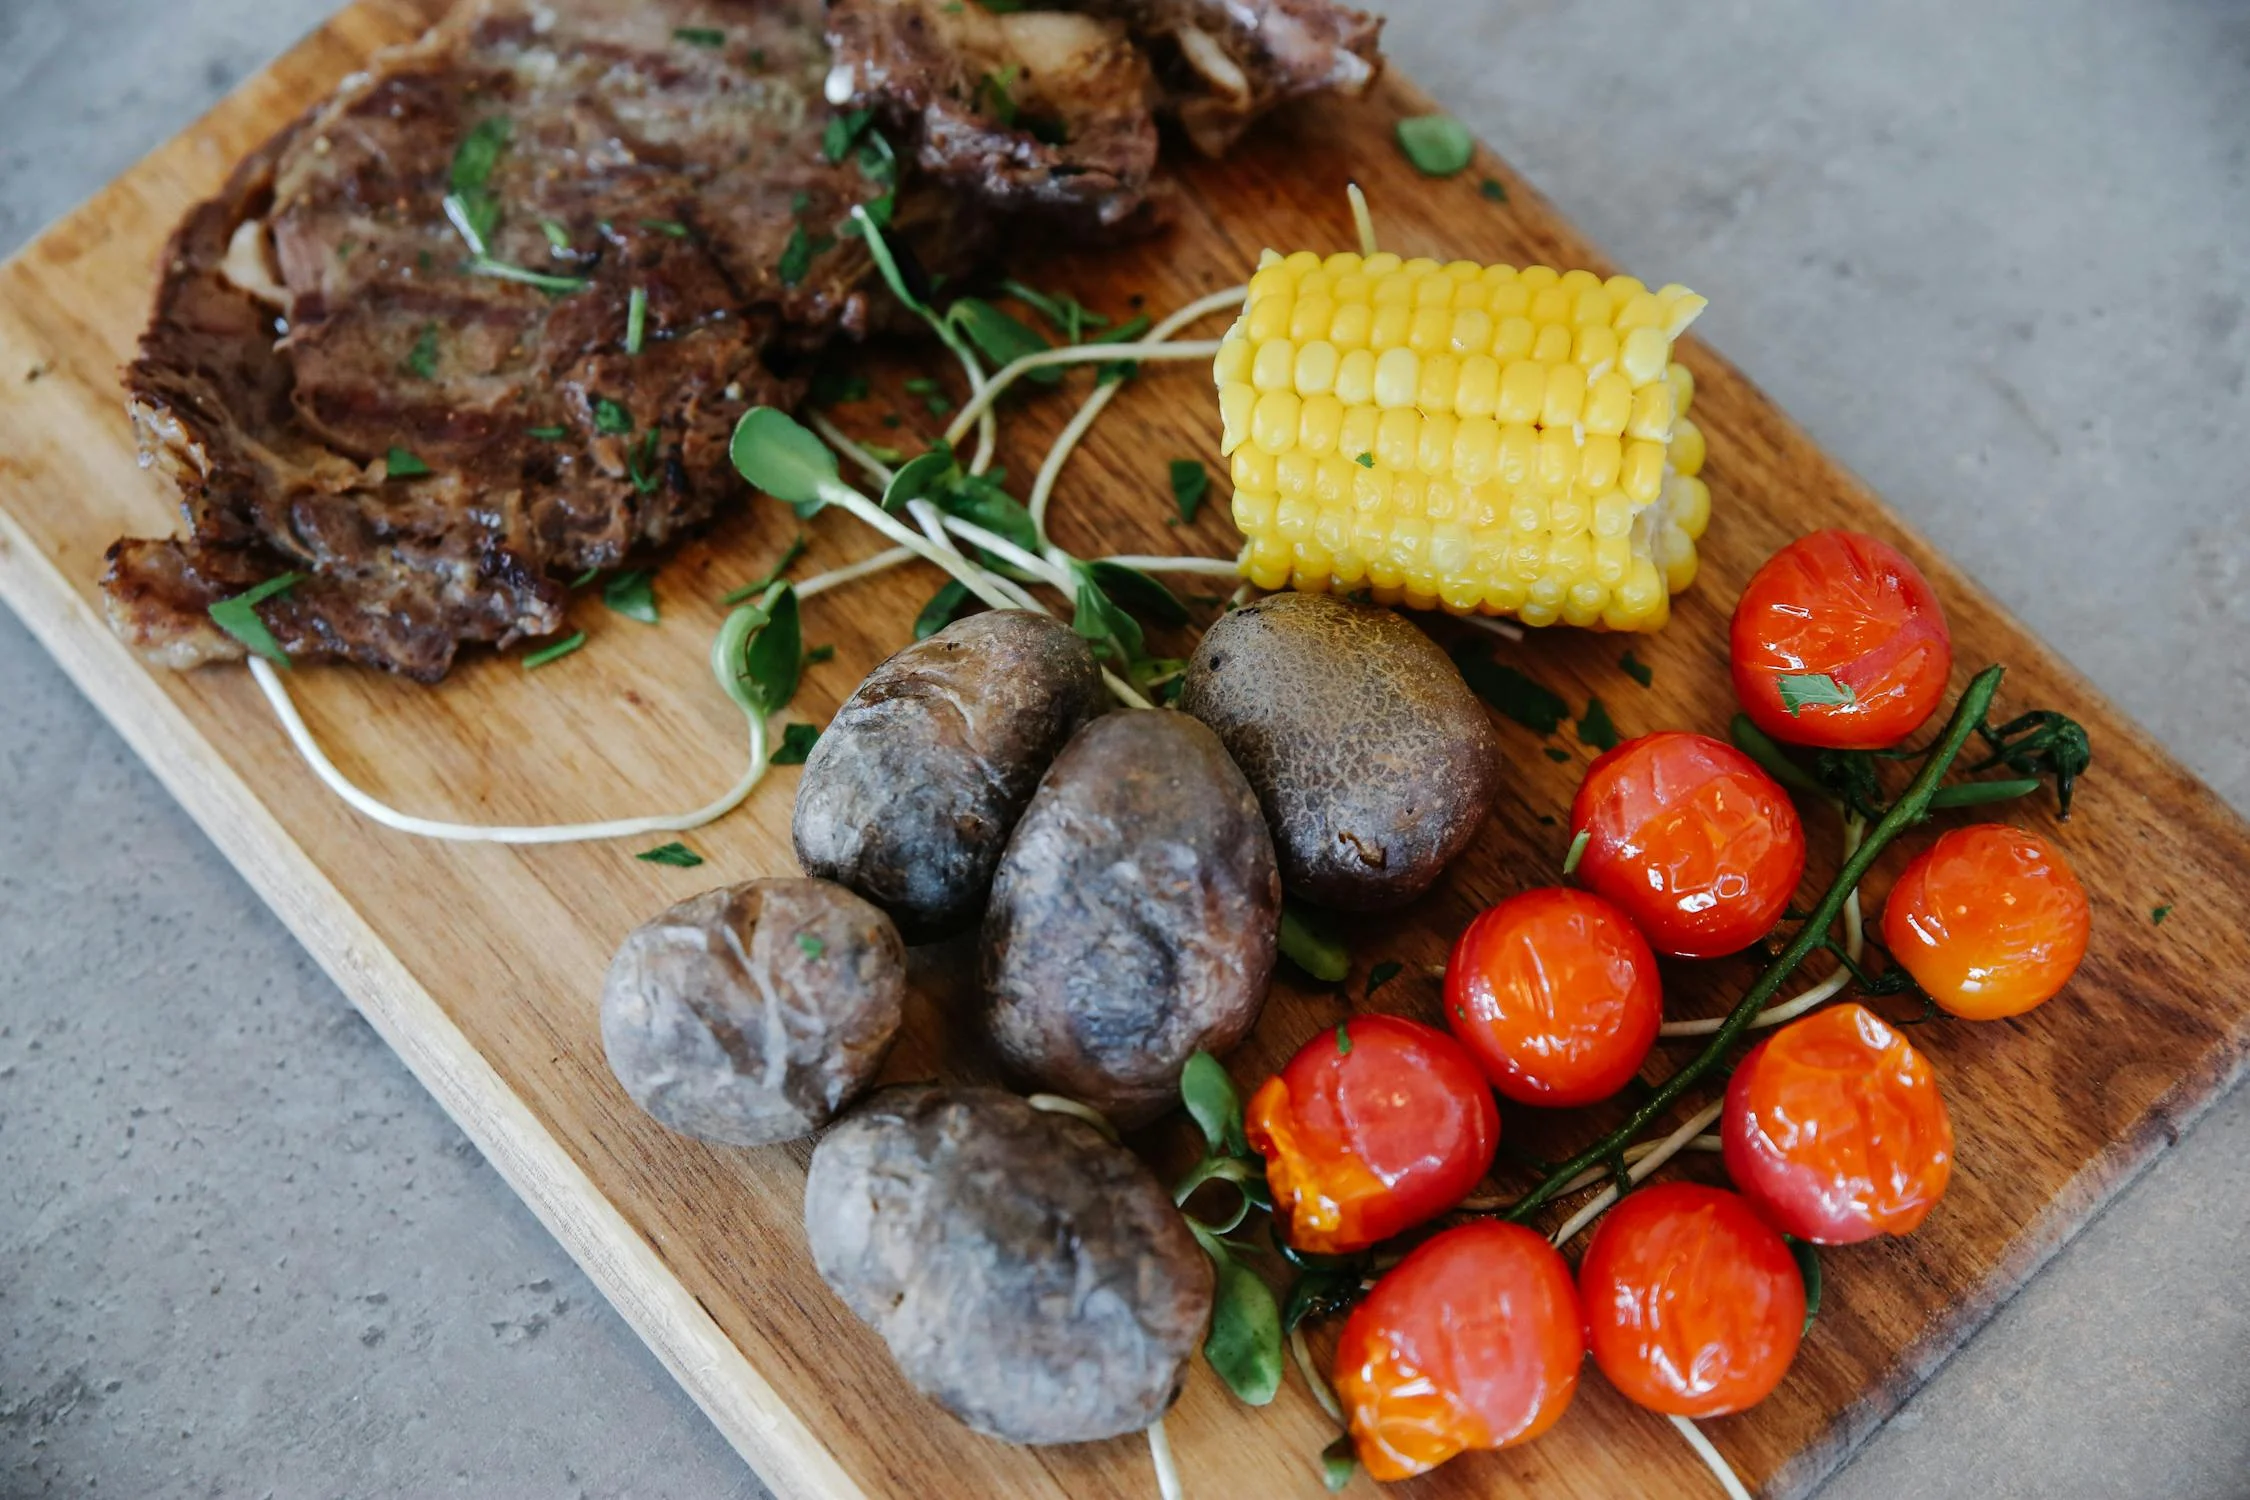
[481, 964]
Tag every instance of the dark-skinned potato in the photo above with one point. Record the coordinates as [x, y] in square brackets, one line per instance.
[1134, 918]
[1374, 762]
[1029, 1276]
[909, 795]
[754, 1013]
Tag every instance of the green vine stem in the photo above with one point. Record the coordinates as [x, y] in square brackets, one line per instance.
[1911, 807]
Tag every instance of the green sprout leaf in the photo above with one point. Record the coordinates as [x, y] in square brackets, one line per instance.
[1309, 943]
[1595, 729]
[1516, 696]
[632, 595]
[948, 604]
[775, 657]
[554, 653]
[797, 741]
[1339, 1461]
[1000, 338]
[1802, 690]
[1245, 1343]
[1110, 630]
[676, 854]
[1190, 483]
[922, 477]
[1140, 593]
[1438, 145]
[239, 618]
[1212, 1102]
[778, 454]
[1068, 316]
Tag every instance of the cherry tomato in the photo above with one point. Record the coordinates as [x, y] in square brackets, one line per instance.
[1834, 1130]
[1989, 920]
[1556, 993]
[1850, 608]
[1693, 1305]
[1473, 1341]
[1700, 847]
[1375, 1126]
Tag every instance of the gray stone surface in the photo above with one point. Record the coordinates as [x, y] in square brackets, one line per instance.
[1993, 254]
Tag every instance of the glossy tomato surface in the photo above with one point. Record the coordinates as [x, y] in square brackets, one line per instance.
[1834, 1130]
[1851, 608]
[1695, 843]
[1557, 995]
[1374, 1126]
[1473, 1341]
[1694, 1306]
[1989, 920]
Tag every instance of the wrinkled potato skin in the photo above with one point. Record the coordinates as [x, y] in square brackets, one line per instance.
[1134, 918]
[909, 795]
[1029, 1276]
[722, 1024]
[1373, 760]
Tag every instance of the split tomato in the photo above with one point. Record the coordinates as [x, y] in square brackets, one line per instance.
[1473, 1341]
[1700, 847]
[1989, 920]
[1840, 642]
[1694, 1305]
[1373, 1127]
[1833, 1128]
[1557, 994]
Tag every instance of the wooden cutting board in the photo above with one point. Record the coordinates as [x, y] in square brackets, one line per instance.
[481, 965]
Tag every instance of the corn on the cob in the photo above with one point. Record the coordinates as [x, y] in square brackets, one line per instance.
[1473, 438]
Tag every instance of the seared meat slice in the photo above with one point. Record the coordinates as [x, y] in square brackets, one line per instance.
[1225, 62]
[1033, 109]
[323, 333]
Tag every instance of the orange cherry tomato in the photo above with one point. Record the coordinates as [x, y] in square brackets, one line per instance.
[1989, 920]
[1693, 1304]
[1850, 608]
[1557, 995]
[1700, 847]
[1473, 1341]
[1375, 1126]
[1834, 1130]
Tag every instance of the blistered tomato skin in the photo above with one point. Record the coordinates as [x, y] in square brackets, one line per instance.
[1693, 841]
[1473, 1341]
[1694, 1306]
[1834, 1130]
[1989, 920]
[1557, 995]
[1373, 1127]
[1851, 608]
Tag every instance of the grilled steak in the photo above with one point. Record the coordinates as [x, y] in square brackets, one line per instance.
[1223, 63]
[399, 359]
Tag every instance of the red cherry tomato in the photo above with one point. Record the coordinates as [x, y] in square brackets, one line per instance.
[1557, 995]
[1373, 1127]
[1989, 920]
[1473, 1341]
[1834, 1129]
[1700, 847]
[1693, 1305]
[1850, 608]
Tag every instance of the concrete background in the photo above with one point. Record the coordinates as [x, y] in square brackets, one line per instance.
[1993, 253]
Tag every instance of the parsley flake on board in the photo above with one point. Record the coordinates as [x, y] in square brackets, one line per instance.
[1383, 973]
[1596, 729]
[1800, 690]
[1492, 190]
[1638, 670]
[1536, 708]
[1190, 483]
[632, 595]
[676, 854]
[797, 741]
[819, 654]
[1438, 145]
[2159, 914]
[238, 617]
[556, 652]
[1558, 755]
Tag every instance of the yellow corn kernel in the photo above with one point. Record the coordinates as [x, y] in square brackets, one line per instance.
[1463, 437]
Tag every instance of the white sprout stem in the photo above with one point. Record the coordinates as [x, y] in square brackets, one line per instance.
[1300, 1350]
[1362, 220]
[1639, 1171]
[1635, 1153]
[1209, 567]
[1855, 943]
[867, 567]
[484, 833]
[1507, 630]
[1056, 1104]
[1713, 1460]
[1044, 569]
[1150, 348]
[831, 434]
[1160, 1454]
[932, 522]
[1066, 443]
[971, 577]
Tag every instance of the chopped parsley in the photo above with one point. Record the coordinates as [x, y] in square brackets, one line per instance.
[1383, 973]
[1637, 669]
[797, 255]
[818, 654]
[698, 36]
[842, 131]
[797, 741]
[1596, 729]
[610, 418]
[2157, 916]
[1365, 460]
[676, 854]
[1557, 754]
[998, 91]
[810, 946]
[671, 227]
[238, 617]
[556, 652]
[1801, 690]
[557, 236]
[1492, 190]
[547, 434]
[422, 359]
[641, 468]
[1537, 709]
[404, 465]
[1190, 483]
